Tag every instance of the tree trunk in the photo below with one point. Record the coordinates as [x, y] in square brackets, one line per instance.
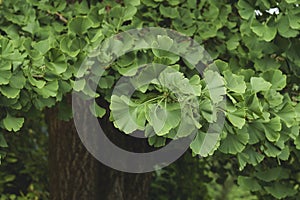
[76, 174]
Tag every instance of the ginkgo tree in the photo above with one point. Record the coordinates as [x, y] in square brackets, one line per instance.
[43, 44]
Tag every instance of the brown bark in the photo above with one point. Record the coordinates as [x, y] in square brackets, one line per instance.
[75, 174]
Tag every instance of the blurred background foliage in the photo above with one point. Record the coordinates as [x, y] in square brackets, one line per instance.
[24, 169]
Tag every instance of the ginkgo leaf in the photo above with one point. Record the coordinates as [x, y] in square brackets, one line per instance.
[9, 92]
[162, 119]
[164, 42]
[276, 78]
[270, 150]
[254, 105]
[80, 24]
[234, 143]
[157, 117]
[124, 114]
[49, 90]
[287, 114]
[256, 132]
[79, 85]
[13, 123]
[249, 156]
[249, 183]
[207, 110]
[17, 80]
[237, 117]
[216, 86]
[272, 129]
[205, 143]
[4, 77]
[157, 141]
[259, 84]
[234, 82]
[96, 110]
[264, 31]
[272, 174]
[280, 191]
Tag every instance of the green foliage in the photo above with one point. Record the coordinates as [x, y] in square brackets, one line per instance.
[43, 43]
[24, 170]
[190, 178]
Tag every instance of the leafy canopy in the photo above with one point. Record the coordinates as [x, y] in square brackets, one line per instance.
[43, 43]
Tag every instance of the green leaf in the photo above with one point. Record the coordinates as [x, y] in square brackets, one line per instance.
[4, 77]
[175, 82]
[270, 150]
[157, 119]
[162, 119]
[80, 25]
[272, 129]
[13, 123]
[285, 154]
[17, 80]
[272, 174]
[222, 65]
[125, 114]
[264, 64]
[42, 46]
[256, 134]
[250, 156]
[207, 110]
[291, 1]
[205, 143]
[245, 9]
[9, 178]
[57, 61]
[215, 85]
[284, 28]
[264, 31]
[68, 46]
[164, 42]
[254, 105]
[64, 110]
[79, 85]
[9, 92]
[96, 110]
[174, 2]
[237, 117]
[129, 12]
[276, 78]
[8, 51]
[287, 115]
[132, 2]
[280, 191]
[196, 84]
[259, 84]
[157, 141]
[273, 98]
[234, 82]
[38, 83]
[249, 183]
[170, 12]
[293, 16]
[234, 143]
[49, 90]
[233, 42]
[212, 12]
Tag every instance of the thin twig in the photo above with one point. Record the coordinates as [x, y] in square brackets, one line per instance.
[60, 16]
